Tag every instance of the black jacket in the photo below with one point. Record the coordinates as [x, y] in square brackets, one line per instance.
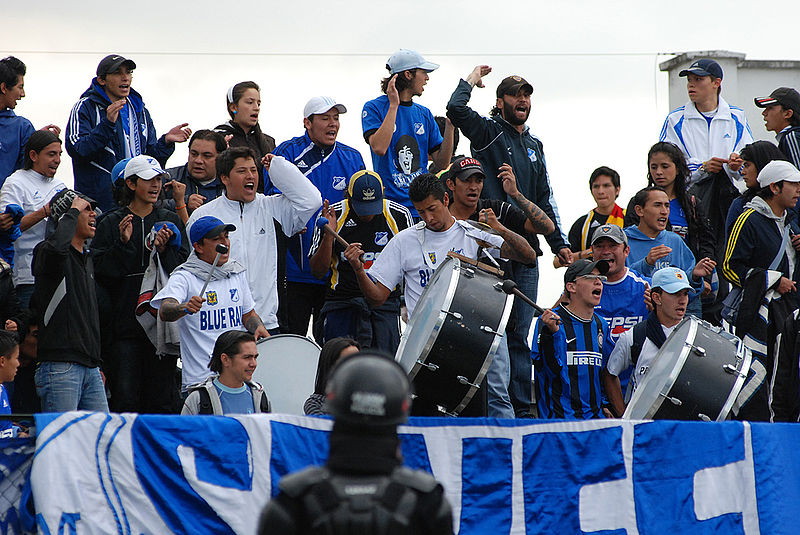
[210, 191]
[121, 266]
[69, 324]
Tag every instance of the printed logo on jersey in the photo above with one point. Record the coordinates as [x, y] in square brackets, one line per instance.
[600, 339]
[262, 231]
[350, 223]
[364, 114]
[419, 129]
[432, 256]
[301, 165]
[532, 155]
[234, 294]
[339, 183]
[211, 298]
[620, 324]
[381, 238]
[407, 155]
[37, 195]
[215, 319]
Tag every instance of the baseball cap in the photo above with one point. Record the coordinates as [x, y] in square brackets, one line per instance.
[703, 67]
[405, 60]
[583, 267]
[62, 201]
[785, 96]
[118, 171]
[511, 86]
[464, 167]
[319, 105]
[208, 227]
[366, 193]
[671, 280]
[112, 63]
[612, 232]
[778, 170]
[144, 167]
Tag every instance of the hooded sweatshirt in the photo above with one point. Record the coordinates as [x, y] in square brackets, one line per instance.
[14, 133]
[680, 257]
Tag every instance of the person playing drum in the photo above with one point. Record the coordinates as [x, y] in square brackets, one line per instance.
[567, 349]
[638, 346]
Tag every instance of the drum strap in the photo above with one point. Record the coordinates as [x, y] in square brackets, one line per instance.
[639, 335]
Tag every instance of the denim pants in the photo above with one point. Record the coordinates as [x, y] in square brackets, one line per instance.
[67, 386]
[519, 351]
[497, 377]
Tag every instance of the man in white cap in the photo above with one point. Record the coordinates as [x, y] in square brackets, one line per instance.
[328, 164]
[639, 345]
[401, 133]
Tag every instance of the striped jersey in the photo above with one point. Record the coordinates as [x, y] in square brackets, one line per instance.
[568, 364]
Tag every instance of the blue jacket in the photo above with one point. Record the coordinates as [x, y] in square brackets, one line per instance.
[329, 169]
[681, 256]
[96, 144]
[14, 133]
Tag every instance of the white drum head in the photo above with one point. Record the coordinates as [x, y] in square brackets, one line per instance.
[287, 369]
[428, 317]
[663, 371]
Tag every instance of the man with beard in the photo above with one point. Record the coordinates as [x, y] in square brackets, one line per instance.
[503, 138]
[401, 133]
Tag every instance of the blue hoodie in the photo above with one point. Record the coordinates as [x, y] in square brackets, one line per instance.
[640, 244]
[96, 144]
[14, 133]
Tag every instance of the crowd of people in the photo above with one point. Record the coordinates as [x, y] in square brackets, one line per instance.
[142, 264]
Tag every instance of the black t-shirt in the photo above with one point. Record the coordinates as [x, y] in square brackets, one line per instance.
[373, 237]
[575, 232]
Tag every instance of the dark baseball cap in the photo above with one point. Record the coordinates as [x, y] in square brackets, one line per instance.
[785, 96]
[208, 227]
[112, 63]
[464, 167]
[612, 232]
[366, 193]
[511, 86]
[703, 67]
[583, 267]
[62, 202]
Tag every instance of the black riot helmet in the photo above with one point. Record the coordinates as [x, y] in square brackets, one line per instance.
[368, 388]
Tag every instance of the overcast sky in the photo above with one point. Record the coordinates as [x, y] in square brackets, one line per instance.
[599, 98]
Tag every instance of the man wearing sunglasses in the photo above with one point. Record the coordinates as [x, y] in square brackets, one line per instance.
[567, 348]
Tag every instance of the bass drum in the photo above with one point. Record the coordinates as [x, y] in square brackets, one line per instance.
[453, 333]
[696, 375]
[287, 369]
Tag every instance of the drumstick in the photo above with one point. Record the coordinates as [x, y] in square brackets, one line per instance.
[510, 287]
[322, 223]
[221, 250]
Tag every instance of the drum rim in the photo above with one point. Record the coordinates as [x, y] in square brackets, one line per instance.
[487, 361]
[441, 318]
[287, 335]
[676, 370]
[747, 360]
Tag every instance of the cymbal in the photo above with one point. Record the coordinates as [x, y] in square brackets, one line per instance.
[482, 226]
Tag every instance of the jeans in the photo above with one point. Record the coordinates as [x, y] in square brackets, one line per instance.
[67, 386]
[497, 376]
[24, 294]
[517, 331]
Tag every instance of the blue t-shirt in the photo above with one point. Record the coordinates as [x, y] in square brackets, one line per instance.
[235, 400]
[415, 136]
[6, 426]
[678, 219]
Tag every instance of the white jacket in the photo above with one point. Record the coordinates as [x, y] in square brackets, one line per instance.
[31, 191]
[253, 243]
[689, 130]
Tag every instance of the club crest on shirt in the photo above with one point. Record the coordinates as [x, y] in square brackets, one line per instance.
[532, 155]
[600, 339]
[211, 298]
[339, 183]
[381, 238]
[234, 294]
[419, 129]
[432, 256]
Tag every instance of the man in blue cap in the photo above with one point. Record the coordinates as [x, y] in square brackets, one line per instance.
[639, 345]
[401, 133]
[226, 303]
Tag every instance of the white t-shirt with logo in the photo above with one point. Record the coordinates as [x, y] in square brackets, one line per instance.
[226, 301]
[620, 358]
[415, 253]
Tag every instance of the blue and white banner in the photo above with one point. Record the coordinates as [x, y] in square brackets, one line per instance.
[128, 474]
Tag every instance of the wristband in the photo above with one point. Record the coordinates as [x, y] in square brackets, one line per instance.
[181, 207]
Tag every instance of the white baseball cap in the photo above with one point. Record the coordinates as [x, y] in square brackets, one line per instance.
[319, 105]
[405, 60]
[778, 170]
[144, 167]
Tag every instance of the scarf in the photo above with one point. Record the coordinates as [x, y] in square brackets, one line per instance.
[653, 330]
[199, 268]
[616, 217]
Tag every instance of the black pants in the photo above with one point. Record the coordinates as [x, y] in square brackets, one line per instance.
[304, 300]
[140, 380]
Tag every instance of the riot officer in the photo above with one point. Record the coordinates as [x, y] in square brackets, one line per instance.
[363, 487]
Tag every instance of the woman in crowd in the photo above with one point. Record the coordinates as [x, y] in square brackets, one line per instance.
[754, 156]
[331, 353]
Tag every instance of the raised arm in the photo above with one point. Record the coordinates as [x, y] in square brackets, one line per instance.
[514, 247]
[380, 140]
[538, 222]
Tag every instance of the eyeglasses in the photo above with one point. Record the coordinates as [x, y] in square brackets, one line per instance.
[593, 277]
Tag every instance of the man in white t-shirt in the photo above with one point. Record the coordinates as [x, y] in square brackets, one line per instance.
[639, 345]
[414, 254]
[226, 303]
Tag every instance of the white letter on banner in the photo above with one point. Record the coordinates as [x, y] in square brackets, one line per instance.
[730, 488]
[609, 505]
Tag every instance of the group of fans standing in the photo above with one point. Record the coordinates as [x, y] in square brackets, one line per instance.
[141, 264]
